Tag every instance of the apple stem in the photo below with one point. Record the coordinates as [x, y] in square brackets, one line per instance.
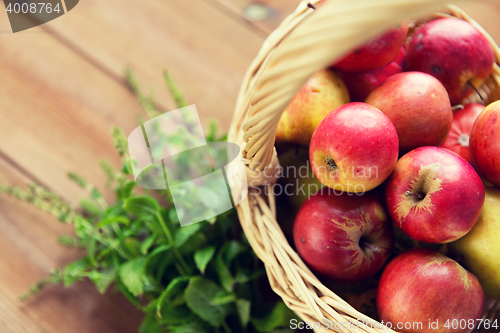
[457, 107]
[310, 5]
[475, 89]
[330, 163]
[416, 195]
[365, 244]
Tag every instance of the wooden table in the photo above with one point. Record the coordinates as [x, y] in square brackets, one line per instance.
[62, 88]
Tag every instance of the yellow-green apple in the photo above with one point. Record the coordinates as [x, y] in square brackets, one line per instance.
[322, 93]
[478, 251]
[485, 143]
[453, 51]
[418, 105]
[434, 195]
[360, 85]
[347, 237]
[354, 148]
[376, 53]
[422, 290]
[461, 128]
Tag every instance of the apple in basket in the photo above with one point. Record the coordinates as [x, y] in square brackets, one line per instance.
[347, 237]
[322, 93]
[418, 105]
[478, 250]
[354, 148]
[422, 290]
[484, 143]
[360, 85]
[453, 51]
[461, 128]
[434, 195]
[376, 53]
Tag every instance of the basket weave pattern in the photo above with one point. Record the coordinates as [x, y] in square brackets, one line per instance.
[307, 41]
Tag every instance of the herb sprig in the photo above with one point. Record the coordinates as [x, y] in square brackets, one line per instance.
[199, 278]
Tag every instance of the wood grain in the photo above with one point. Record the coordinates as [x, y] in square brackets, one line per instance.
[277, 10]
[205, 50]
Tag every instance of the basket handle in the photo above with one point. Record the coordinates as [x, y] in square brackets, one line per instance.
[307, 41]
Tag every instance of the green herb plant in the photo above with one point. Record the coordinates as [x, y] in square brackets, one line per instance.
[199, 278]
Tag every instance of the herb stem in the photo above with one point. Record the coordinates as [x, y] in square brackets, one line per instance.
[102, 202]
[226, 327]
[183, 266]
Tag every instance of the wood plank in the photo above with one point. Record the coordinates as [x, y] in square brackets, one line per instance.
[57, 112]
[29, 249]
[265, 15]
[206, 51]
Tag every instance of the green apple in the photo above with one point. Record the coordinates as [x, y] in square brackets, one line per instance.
[478, 251]
[322, 93]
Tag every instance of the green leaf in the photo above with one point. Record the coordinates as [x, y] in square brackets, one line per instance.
[146, 244]
[175, 315]
[232, 250]
[243, 308]
[194, 327]
[131, 274]
[199, 293]
[153, 261]
[280, 316]
[223, 298]
[183, 234]
[75, 271]
[246, 275]
[174, 287]
[110, 220]
[225, 277]
[159, 249]
[132, 299]
[197, 241]
[126, 190]
[202, 257]
[91, 208]
[140, 206]
[150, 325]
[132, 246]
[103, 278]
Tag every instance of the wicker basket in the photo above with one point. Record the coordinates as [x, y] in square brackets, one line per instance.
[305, 42]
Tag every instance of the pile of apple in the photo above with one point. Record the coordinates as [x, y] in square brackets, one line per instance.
[400, 154]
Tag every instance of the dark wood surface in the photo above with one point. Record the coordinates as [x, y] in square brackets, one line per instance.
[62, 87]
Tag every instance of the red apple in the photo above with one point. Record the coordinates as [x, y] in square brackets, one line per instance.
[484, 143]
[422, 290]
[453, 51]
[376, 53]
[419, 107]
[434, 195]
[322, 93]
[360, 85]
[461, 128]
[354, 148]
[346, 237]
